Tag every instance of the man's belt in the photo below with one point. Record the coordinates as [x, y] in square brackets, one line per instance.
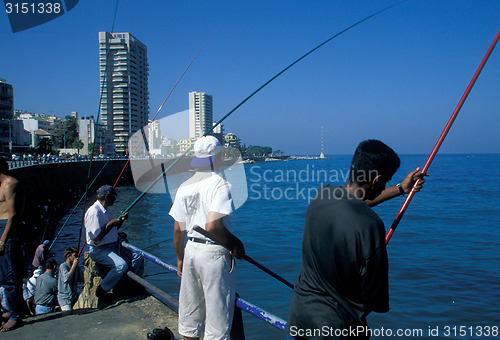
[199, 240]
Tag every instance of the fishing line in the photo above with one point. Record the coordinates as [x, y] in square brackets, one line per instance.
[161, 106]
[441, 138]
[141, 195]
[76, 206]
[154, 274]
[84, 196]
[96, 129]
[153, 245]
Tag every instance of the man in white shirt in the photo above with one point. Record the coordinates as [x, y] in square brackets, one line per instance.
[102, 236]
[207, 275]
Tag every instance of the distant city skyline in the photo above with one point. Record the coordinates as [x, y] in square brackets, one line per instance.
[396, 77]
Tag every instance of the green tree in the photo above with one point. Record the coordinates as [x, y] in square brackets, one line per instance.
[96, 149]
[257, 150]
[45, 146]
[67, 137]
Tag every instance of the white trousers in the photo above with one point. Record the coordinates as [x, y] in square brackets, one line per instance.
[207, 292]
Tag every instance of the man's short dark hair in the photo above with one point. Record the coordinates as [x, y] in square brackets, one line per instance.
[51, 264]
[373, 158]
[4, 167]
[69, 251]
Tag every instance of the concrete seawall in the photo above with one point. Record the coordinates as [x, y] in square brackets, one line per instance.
[53, 188]
[52, 180]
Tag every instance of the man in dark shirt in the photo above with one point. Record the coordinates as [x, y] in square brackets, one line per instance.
[344, 273]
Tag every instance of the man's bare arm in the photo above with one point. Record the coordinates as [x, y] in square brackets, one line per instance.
[393, 191]
[74, 268]
[179, 245]
[115, 222]
[218, 229]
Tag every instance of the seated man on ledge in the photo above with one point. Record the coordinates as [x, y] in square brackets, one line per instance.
[102, 237]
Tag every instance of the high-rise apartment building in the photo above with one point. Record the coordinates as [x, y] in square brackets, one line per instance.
[154, 134]
[6, 100]
[124, 71]
[200, 113]
[6, 112]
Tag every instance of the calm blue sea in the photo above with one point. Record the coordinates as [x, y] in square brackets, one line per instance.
[444, 257]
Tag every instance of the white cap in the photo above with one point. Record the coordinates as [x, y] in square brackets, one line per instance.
[205, 149]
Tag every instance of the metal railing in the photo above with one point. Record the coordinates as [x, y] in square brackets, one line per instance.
[24, 163]
[248, 307]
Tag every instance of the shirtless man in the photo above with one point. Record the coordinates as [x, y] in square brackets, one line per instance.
[11, 259]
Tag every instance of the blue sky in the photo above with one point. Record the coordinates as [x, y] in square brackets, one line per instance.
[396, 77]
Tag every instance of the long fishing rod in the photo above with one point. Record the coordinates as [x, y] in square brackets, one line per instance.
[76, 206]
[92, 151]
[440, 140]
[245, 257]
[251, 95]
[161, 106]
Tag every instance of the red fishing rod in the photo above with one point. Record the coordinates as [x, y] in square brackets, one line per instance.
[427, 164]
[161, 106]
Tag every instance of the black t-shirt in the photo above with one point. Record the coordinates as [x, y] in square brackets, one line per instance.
[344, 273]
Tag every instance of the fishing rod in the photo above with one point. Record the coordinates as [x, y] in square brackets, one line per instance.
[245, 257]
[95, 134]
[161, 106]
[76, 206]
[440, 140]
[84, 196]
[141, 195]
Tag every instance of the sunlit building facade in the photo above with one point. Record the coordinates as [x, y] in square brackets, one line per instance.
[124, 72]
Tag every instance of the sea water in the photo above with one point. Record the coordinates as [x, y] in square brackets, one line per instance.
[444, 257]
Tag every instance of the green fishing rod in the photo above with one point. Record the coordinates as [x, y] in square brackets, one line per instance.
[87, 187]
[99, 110]
[76, 206]
[163, 103]
[162, 175]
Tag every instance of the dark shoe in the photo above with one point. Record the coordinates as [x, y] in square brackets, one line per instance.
[103, 295]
